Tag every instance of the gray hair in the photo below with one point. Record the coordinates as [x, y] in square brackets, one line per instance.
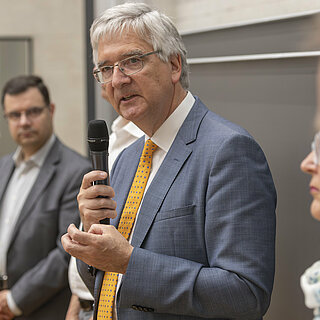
[150, 25]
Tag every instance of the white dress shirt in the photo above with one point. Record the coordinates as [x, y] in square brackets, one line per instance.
[124, 133]
[18, 189]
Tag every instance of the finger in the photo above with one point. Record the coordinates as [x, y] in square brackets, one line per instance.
[72, 236]
[90, 217]
[103, 190]
[72, 230]
[74, 247]
[69, 244]
[96, 204]
[98, 190]
[65, 240]
[98, 229]
[84, 239]
[92, 176]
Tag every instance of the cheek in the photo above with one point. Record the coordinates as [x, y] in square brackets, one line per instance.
[104, 92]
[107, 94]
[45, 126]
[13, 131]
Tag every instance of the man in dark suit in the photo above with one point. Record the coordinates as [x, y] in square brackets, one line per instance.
[38, 188]
[201, 244]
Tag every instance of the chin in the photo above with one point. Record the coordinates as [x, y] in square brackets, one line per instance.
[27, 141]
[315, 209]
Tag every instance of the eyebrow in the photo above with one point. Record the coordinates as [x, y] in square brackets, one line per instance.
[123, 56]
[29, 108]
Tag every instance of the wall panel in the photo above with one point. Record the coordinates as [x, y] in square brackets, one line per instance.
[275, 100]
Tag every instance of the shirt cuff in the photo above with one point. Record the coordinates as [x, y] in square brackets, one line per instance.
[12, 305]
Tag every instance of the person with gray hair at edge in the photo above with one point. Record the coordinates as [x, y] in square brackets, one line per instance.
[192, 203]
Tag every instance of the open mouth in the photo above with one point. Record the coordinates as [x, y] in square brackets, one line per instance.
[127, 98]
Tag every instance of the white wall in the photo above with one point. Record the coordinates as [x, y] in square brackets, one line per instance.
[58, 32]
[193, 15]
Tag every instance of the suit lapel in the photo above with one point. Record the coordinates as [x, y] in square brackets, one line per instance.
[97, 290]
[45, 175]
[6, 171]
[158, 189]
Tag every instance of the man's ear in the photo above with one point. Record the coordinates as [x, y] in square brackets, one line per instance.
[52, 108]
[175, 61]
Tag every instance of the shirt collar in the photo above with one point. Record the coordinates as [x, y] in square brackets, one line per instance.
[121, 123]
[37, 158]
[165, 135]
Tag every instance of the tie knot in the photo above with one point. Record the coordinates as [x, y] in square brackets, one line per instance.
[149, 148]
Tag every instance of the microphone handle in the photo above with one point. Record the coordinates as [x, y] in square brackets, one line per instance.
[99, 160]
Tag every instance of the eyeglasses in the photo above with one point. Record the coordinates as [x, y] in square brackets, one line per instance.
[315, 146]
[127, 66]
[31, 113]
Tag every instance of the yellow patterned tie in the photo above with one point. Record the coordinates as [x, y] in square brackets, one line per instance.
[108, 289]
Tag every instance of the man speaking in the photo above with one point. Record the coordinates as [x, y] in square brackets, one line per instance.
[38, 188]
[192, 203]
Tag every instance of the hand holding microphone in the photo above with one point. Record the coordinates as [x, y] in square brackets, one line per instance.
[86, 245]
[95, 201]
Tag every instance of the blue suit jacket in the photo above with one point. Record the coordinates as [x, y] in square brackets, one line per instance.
[205, 236]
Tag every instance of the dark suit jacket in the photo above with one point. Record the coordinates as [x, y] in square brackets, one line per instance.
[205, 236]
[37, 263]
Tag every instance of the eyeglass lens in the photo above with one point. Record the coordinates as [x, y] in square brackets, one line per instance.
[29, 113]
[316, 148]
[128, 66]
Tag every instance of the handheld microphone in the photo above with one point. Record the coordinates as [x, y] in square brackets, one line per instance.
[98, 140]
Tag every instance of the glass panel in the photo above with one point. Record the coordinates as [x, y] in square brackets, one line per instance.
[15, 59]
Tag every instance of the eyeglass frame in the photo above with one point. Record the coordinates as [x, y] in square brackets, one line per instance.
[96, 71]
[28, 113]
[315, 147]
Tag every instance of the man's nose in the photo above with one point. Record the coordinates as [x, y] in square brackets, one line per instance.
[24, 119]
[119, 78]
[308, 164]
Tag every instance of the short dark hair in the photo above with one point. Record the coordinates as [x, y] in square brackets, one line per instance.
[21, 84]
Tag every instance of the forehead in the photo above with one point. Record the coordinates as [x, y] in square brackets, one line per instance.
[29, 98]
[111, 49]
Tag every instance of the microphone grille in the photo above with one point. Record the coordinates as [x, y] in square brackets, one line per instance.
[98, 137]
